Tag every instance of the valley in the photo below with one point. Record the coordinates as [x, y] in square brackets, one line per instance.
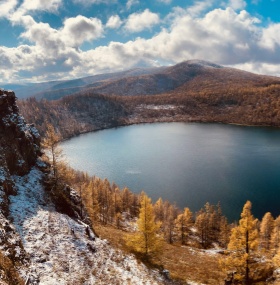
[83, 219]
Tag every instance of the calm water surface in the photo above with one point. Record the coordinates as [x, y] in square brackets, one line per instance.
[188, 164]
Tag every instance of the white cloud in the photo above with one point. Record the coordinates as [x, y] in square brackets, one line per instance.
[73, 34]
[80, 29]
[199, 6]
[114, 22]
[7, 6]
[138, 22]
[131, 3]
[21, 15]
[271, 37]
[45, 5]
[237, 4]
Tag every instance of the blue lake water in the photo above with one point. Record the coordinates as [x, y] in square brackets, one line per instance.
[187, 163]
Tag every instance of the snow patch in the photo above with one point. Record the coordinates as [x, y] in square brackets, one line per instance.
[157, 107]
[60, 249]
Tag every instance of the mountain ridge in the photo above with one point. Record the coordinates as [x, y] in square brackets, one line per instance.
[138, 81]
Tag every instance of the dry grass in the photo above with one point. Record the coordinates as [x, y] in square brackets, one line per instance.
[184, 263]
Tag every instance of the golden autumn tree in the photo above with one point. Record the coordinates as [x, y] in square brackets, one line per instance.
[184, 222]
[159, 210]
[146, 240]
[242, 246]
[51, 144]
[275, 238]
[266, 229]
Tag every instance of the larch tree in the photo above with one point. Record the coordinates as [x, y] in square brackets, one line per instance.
[168, 225]
[159, 210]
[146, 240]
[275, 237]
[50, 143]
[205, 225]
[242, 246]
[183, 223]
[91, 201]
[266, 229]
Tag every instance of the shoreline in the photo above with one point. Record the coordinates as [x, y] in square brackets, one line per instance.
[167, 120]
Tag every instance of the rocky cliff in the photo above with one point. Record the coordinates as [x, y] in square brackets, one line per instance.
[19, 150]
[19, 145]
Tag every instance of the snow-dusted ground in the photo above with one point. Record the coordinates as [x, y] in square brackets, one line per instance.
[157, 107]
[60, 250]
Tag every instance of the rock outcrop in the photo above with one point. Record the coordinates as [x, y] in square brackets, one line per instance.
[19, 145]
[19, 150]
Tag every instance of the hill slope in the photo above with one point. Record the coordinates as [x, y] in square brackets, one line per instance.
[38, 244]
[57, 89]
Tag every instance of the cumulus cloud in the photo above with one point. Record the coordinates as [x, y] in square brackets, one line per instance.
[138, 22]
[80, 29]
[73, 34]
[7, 6]
[114, 22]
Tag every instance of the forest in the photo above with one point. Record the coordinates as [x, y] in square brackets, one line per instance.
[248, 250]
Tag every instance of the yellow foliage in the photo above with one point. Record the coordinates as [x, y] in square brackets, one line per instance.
[146, 240]
[242, 245]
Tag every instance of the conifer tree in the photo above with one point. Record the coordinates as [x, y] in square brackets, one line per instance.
[183, 223]
[91, 202]
[159, 210]
[224, 232]
[202, 226]
[170, 214]
[275, 238]
[266, 229]
[146, 240]
[205, 225]
[50, 143]
[242, 246]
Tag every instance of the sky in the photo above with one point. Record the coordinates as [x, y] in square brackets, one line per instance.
[42, 40]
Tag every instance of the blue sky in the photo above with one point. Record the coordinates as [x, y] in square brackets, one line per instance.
[43, 40]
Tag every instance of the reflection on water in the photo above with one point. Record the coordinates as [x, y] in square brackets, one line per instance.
[188, 164]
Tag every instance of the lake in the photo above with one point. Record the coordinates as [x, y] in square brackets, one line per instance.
[187, 163]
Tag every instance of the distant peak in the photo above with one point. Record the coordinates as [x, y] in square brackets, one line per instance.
[202, 63]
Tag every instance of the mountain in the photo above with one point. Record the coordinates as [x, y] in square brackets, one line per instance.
[192, 91]
[189, 75]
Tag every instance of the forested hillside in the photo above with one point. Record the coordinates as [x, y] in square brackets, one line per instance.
[208, 100]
